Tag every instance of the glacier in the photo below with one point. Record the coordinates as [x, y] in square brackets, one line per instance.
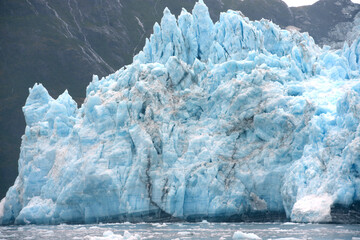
[236, 120]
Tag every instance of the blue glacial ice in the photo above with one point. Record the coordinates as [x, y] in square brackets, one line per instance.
[211, 121]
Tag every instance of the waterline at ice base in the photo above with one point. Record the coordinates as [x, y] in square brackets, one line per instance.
[228, 121]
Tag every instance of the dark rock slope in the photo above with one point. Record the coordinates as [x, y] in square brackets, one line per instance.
[326, 21]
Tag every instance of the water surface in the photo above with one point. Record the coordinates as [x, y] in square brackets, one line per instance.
[180, 231]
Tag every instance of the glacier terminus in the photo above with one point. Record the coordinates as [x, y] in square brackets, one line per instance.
[236, 120]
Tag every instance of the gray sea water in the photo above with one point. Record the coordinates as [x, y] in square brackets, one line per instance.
[179, 231]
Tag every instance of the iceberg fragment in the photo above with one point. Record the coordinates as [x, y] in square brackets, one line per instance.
[236, 120]
[109, 235]
[241, 235]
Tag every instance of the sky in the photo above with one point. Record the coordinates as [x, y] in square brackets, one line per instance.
[295, 3]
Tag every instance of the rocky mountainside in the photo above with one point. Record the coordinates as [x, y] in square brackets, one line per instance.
[63, 43]
[327, 21]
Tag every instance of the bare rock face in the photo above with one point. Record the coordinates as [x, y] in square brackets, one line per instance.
[327, 21]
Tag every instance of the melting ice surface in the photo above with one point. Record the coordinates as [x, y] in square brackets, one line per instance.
[236, 120]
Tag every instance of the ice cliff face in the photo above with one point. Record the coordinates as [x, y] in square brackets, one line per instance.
[236, 120]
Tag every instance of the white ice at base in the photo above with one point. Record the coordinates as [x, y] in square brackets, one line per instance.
[312, 208]
[2, 205]
[241, 235]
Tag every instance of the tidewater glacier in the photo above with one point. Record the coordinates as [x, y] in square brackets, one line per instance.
[232, 121]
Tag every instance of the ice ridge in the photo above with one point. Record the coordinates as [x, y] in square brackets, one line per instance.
[210, 121]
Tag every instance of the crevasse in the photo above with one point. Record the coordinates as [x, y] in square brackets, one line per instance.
[237, 120]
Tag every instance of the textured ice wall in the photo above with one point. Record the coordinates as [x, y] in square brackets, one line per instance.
[219, 121]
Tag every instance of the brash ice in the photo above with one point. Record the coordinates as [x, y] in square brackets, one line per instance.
[236, 120]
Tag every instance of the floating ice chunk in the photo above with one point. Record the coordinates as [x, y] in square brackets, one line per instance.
[159, 225]
[289, 238]
[242, 235]
[290, 223]
[129, 236]
[184, 233]
[109, 235]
